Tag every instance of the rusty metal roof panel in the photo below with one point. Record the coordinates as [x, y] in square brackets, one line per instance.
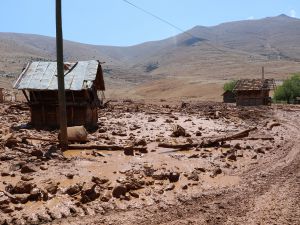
[43, 76]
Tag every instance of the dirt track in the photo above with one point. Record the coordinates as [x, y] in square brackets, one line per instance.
[260, 185]
[269, 193]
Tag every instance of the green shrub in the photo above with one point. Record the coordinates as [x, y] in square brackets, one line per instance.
[289, 90]
[229, 86]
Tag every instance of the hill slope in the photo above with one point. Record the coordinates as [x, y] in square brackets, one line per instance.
[187, 61]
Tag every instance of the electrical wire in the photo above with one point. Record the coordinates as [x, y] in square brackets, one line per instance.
[159, 18]
[171, 24]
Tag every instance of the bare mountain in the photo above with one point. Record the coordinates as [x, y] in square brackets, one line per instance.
[201, 55]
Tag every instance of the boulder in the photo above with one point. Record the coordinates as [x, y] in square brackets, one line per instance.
[28, 168]
[119, 191]
[22, 187]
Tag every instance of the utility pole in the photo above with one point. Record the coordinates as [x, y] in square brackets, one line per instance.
[60, 78]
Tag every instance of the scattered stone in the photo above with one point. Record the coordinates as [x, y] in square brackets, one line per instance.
[89, 193]
[151, 120]
[179, 131]
[28, 168]
[118, 191]
[102, 130]
[52, 188]
[129, 151]
[141, 142]
[70, 176]
[216, 172]
[134, 194]
[44, 167]
[174, 177]
[26, 178]
[22, 187]
[37, 153]
[170, 187]
[74, 189]
[231, 157]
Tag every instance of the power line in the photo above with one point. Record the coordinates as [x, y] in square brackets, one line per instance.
[159, 18]
[171, 24]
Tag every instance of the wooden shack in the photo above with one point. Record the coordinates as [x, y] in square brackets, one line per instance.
[253, 92]
[82, 81]
[228, 97]
[1, 95]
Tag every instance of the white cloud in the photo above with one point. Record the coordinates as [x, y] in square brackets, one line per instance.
[250, 18]
[293, 13]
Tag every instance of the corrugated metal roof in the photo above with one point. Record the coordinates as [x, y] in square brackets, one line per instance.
[43, 76]
[254, 84]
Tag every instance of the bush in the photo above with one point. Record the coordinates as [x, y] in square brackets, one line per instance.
[229, 86]
[289, 90]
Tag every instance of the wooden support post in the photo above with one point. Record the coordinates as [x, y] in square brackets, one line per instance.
[61, 78]
[25, 94]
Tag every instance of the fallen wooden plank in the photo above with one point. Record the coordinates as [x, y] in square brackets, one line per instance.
[104, 147]
[208, 142]
[176, 146]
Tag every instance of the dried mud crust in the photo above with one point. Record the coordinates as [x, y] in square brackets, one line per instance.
[250, 180]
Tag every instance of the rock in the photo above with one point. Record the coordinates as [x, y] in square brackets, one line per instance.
[21, 198]
[194, 156]
[11, 141]
[170, 187]
[174, 177]
[100, 181]
[22, 187]
[28, 168]
[237, 146]
[26, 178]
[118, 191]
[102, 130]
[5, 174]
[36, 195]
[141, 142]
[134, 127]
[89, 193]
[232, 157]
[74, 189]
[134, 194]
[160, 175]
[129, 151]
[203, 170]
[150, 119]
[216, 172]
[44, 167]
[4, 199]
[179, 131]
[260, 150]
[184, 187]
[6, 209]
[70, 175]
[106, 196]
[198, 133]
[52, 188]
[37, 153]
[193, 176]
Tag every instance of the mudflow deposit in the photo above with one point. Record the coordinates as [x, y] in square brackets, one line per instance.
[160, 163]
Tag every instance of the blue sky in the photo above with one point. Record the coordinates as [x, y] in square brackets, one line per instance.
[113, 22]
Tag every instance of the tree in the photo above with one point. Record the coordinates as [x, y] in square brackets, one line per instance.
[289, 90]
[229, 86]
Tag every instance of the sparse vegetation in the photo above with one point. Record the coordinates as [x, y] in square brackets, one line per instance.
[289, 90]
[152, 66]
[229, 86]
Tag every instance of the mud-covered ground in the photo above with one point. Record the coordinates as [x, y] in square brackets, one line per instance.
[169, 168]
